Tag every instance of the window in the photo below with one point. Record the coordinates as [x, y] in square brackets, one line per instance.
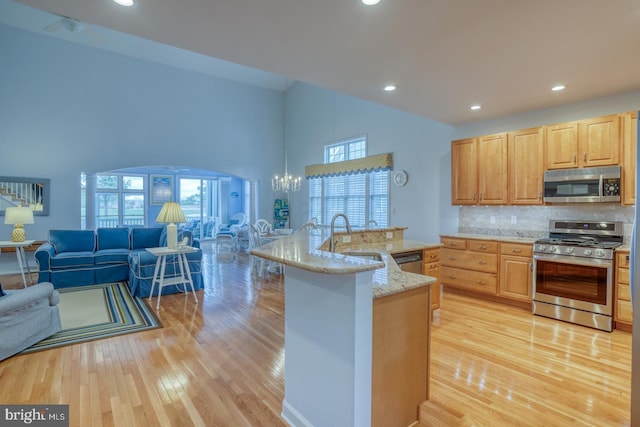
[362, 197]
[119, 200]
[199, 202]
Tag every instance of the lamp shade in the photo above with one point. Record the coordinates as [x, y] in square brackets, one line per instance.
[171, 212]
[18, 215]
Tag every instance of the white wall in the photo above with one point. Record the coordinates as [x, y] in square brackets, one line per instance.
[629, 101]
[65, 108]
[316, 117]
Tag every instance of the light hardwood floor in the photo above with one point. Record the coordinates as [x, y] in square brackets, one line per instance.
[220, 363]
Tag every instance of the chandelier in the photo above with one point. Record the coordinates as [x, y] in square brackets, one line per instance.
[286, 182]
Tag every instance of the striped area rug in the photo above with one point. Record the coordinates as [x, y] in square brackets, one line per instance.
[98, 311]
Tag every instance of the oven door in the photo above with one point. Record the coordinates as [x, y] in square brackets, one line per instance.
[573, 282]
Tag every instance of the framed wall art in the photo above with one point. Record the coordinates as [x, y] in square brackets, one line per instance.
[161, 189]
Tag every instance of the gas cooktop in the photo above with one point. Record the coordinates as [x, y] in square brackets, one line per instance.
[587, 239]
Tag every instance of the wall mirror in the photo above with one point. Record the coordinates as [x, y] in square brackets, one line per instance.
[32, 192]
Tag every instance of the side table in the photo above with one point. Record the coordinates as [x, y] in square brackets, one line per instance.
[159, 272]
[22, 259]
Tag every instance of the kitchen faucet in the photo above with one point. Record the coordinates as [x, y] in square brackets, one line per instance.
[332, 243]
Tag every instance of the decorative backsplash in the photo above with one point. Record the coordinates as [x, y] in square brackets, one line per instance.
[533, 221]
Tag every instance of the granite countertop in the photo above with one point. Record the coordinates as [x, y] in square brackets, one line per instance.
[511, 239]
[300, 250]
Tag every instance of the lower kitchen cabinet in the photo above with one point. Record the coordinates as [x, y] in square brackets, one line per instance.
[623, 316]
[469, 265]
[431, 267]
[516, 271]
[501, 271]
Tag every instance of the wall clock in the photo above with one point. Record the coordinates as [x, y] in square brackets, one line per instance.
[400, 178]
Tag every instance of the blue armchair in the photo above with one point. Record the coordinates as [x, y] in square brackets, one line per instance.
[28, 316]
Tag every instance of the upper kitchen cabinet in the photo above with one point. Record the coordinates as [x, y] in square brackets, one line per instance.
[629, 141]
[464, 172]
[600, 141]
[492, 170]
[479, 170]
[586, 143]
[561, 146]
[526, 151]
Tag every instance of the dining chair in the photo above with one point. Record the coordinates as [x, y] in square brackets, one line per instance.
[308, 226]
[263, 226]
[256, 263]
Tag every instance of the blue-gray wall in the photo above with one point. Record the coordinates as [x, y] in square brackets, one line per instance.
[316, 117]
[65, 109]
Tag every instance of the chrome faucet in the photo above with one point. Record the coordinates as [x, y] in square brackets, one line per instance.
[332, 242]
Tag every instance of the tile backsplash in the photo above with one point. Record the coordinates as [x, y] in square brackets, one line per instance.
[533, 221]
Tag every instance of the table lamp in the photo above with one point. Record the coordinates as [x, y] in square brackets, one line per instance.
[18, 216]
[171, 213]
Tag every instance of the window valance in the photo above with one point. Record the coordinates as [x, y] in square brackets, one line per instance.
[379, 162]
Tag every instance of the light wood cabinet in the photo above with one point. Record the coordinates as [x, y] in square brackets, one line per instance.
[561, 146]
[516, 271]
[585, 143]
[479, 171]
[599, 141]
[464, 173]
[431, 267]
[492, 170]
[623, 315]
[400, 361]
[470, 265]
[501, 271]
[526, 157]
[629, 141]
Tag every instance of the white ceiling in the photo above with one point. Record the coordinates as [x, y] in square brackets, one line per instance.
[444, 55]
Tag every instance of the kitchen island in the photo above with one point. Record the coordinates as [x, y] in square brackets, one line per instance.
[346, 361]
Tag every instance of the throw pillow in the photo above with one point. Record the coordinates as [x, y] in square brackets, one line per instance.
[2, 293]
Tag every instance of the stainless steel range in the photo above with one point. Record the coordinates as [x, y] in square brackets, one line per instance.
[573, 272]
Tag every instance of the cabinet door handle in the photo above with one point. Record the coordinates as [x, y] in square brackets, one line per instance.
[540, 195]
[433, 256]
[574, 159]
[516, 251]
[481, 282]
[453, 244]
[482, 262]
[452, 277]
[473, 196]
[452, 258]
[530, 266]
[480, 198]
[584, 157]
[482, 247]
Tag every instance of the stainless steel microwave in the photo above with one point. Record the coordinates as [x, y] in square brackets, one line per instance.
[586, 185]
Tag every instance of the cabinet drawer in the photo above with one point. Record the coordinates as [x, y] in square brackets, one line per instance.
[471, 280]
[477, 261]
[431, 255]
[482, 246]
[517, 249]
[623, 311]
[430, 269]
[622, 259]
[450, 242]
[624, 292]
[623, 275]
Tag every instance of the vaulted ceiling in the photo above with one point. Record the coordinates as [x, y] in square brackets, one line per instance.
[443, 55]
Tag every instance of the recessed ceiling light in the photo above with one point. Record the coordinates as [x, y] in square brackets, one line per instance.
[390, 88]
[370, 2]
[558, 88]
[127, 3]
[475, 107]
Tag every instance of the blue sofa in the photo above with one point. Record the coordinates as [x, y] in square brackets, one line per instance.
[84, 257]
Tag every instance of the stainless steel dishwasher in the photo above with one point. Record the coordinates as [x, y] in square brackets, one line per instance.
[409, 261]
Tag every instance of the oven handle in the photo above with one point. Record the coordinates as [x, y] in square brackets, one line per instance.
[592, 262]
